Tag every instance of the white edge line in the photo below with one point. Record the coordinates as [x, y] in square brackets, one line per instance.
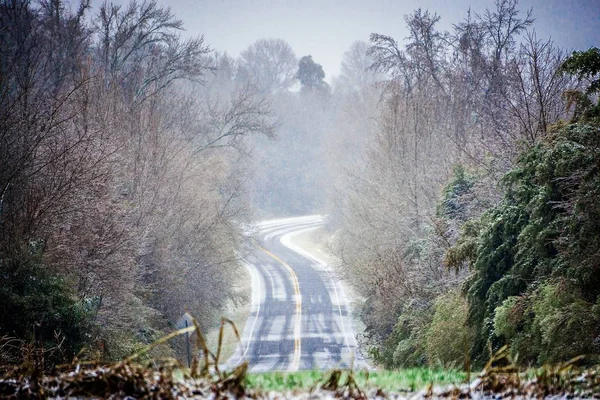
[256, 295]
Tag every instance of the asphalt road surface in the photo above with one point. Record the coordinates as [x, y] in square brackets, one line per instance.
[300, 314]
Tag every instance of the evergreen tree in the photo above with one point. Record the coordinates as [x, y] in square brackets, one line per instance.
[311, 75]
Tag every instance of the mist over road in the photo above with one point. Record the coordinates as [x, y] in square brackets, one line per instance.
[300, 314]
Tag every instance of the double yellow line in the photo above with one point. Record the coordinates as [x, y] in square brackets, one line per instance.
[295, 365]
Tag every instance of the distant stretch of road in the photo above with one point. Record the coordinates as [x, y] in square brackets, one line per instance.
[300, 315]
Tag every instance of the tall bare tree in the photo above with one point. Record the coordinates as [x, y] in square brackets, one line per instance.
[269, 64]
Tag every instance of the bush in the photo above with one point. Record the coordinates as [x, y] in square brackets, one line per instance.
[567, 325]
[39, 308]
[513, 323]
[509, 317]
[448, 337]
[455, 197]
[404, 347]
[550, 325]
[535, 256]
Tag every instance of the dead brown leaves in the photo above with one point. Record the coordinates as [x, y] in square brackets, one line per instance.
[500, 378]
[126, 378]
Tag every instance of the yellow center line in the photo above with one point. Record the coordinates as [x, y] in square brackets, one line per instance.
[297, 342]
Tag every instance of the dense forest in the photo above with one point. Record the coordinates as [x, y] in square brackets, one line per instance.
[122, 184]
[471, 221]
[460, 171]
[132, 162]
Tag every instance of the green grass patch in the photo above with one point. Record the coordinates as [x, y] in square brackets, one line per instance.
[389, 381]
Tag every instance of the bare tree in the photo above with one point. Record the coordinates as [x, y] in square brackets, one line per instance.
[129, 186]
[534, 96]
[270, 64]
[355, 72]
[475, 98]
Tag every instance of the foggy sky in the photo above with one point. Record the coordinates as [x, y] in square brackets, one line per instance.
[326, 28]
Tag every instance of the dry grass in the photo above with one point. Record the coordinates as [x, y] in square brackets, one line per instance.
[238, 314]
[499, 379]
[128, 378]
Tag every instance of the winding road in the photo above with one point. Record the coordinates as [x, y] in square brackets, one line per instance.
[300, 314]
